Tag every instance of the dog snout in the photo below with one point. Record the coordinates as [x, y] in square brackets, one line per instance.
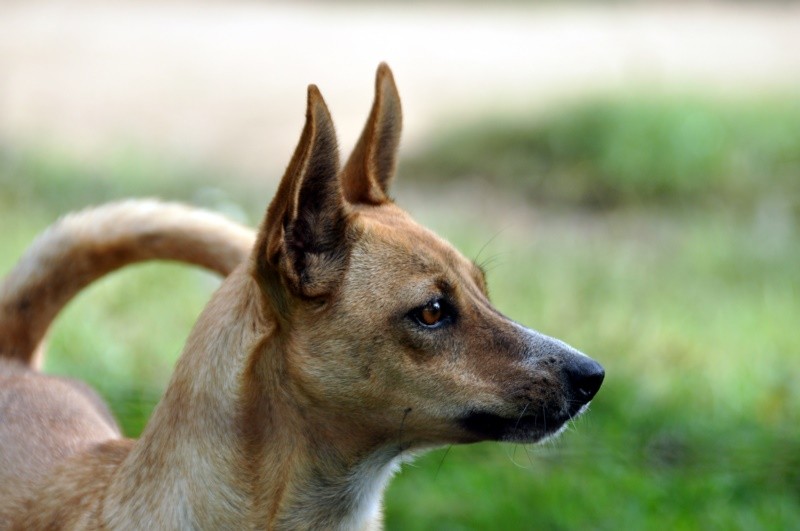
[585, 376]
[580, 376]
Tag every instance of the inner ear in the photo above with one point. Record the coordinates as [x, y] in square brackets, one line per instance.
[304, 237]
[371, 166]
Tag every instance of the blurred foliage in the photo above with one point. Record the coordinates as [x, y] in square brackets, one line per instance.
[629, 151]
[693, 311]
[44, 177]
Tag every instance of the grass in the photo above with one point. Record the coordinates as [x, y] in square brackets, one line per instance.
[630, 151]
[691, 306]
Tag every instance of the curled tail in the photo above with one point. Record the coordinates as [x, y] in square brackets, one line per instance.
[83, 246]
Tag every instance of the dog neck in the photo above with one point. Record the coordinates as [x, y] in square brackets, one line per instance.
[232, 445]
[313, 469]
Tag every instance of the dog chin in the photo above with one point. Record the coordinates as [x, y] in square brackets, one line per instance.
[528, 429]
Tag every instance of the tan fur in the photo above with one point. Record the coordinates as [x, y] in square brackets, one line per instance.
[61, 417]
[83, 246]
[313, 371]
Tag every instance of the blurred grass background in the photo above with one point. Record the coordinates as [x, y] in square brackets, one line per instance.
[657, 234]
[640, 149]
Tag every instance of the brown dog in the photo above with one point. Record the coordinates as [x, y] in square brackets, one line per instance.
[350, 337]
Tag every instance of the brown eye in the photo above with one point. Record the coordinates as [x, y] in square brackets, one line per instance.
[431, 313]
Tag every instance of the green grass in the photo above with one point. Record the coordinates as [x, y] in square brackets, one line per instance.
[693, 312]
[623, 151]
[48, 181]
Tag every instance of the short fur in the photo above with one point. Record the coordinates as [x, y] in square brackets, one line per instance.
[351, 337]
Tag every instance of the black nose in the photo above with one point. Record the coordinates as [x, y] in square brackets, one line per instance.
[585, 376]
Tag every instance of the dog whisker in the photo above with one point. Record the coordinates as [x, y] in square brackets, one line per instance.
[485, 245]
[441, 461]
[400, 447]
[513, 457]
[522, 414]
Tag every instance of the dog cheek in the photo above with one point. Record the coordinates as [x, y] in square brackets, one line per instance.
[369, 355]
[357, 372]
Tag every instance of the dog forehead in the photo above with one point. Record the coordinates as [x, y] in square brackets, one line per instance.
[391, 233]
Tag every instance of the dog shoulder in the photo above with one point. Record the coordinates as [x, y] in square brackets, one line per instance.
[71, 496]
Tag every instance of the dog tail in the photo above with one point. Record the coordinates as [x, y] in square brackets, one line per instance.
[83, 246]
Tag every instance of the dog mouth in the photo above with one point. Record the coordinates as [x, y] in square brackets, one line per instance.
[525, 428]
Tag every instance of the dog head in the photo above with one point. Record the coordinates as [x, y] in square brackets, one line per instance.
[385, 326]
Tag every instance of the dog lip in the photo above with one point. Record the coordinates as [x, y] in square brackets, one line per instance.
[527, 428]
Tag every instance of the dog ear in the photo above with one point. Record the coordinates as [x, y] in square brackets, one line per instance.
[372, 164]
[304, 236]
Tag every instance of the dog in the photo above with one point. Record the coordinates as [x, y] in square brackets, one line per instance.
[346, 339]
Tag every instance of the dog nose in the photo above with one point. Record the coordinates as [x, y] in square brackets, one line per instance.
[585, 376]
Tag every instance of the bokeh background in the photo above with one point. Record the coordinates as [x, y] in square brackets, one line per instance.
[628, 172]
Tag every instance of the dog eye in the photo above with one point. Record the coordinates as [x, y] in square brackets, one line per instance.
[433, 314]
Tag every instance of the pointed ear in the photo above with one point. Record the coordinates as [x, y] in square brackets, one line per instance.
[371, 167]
[303, 240]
